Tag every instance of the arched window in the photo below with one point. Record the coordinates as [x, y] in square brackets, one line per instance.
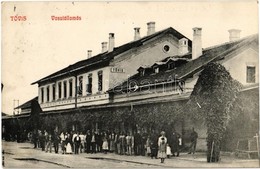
[48, 93]
[65, 89]
[89, 85]
[100, 81]
[53, 92]
[80, 86]
[59, 90]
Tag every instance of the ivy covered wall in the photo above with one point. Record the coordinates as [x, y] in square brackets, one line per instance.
[156, 116]
[246, 123]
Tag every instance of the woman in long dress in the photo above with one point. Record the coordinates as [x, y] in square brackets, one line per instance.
[68, 145]
[162, 142]
[112, 141]
[162, 150]
[148, 146]
[105, 144]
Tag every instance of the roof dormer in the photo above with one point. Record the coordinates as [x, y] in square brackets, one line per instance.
[157, 66]
[143, 70]
[172, 63]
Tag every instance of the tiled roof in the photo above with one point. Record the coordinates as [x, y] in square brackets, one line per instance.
[186, 70]
[103, 59]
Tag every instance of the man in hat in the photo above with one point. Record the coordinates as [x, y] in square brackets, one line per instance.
[193, 139]
[176, 137]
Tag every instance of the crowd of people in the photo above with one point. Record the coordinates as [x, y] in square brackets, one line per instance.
[137, 143]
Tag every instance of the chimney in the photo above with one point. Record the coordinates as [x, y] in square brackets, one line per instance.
[111, 43]
[150, 28]
[89, 54]
[104, 47]
[137, 34]
[183, 46]
[196, 43]
[234, 34]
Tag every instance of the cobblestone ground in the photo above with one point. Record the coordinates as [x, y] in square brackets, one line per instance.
[22, 155]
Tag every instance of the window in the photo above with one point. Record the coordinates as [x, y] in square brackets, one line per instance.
[42, 94]
[48, 94]
[156, 69]
[100, 80]
[89, 85]
[250, 74]
[142, 72]
[59, 90]
[166, 48]
[80, 86]
[53, 92]
[170, 65]
[65, 89]
[70, 88]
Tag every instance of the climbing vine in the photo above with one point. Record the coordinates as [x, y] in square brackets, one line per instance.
[213, 100]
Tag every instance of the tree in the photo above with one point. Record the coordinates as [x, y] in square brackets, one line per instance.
[35, 114]
[212, 100]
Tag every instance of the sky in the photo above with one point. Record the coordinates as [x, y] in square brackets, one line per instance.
[39, 46]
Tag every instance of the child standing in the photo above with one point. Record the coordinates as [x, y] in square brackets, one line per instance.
[148, 146]
[168, 151]
[162, 150]
[105, 144]
[129, 144]
[153, 150]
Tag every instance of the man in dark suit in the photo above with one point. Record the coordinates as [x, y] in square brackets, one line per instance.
[42, 140]
[137, 143]
[56, 141]
[175, 143]
[93, 142]
[99, 140]
[88, 141]
[193, 139]
[34, 138]
[77, 142]
[49, 140]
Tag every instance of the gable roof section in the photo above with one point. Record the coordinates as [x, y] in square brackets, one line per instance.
[105, 58]
[4, 114]
[27, 104]
[214, 53]
[210, 54]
